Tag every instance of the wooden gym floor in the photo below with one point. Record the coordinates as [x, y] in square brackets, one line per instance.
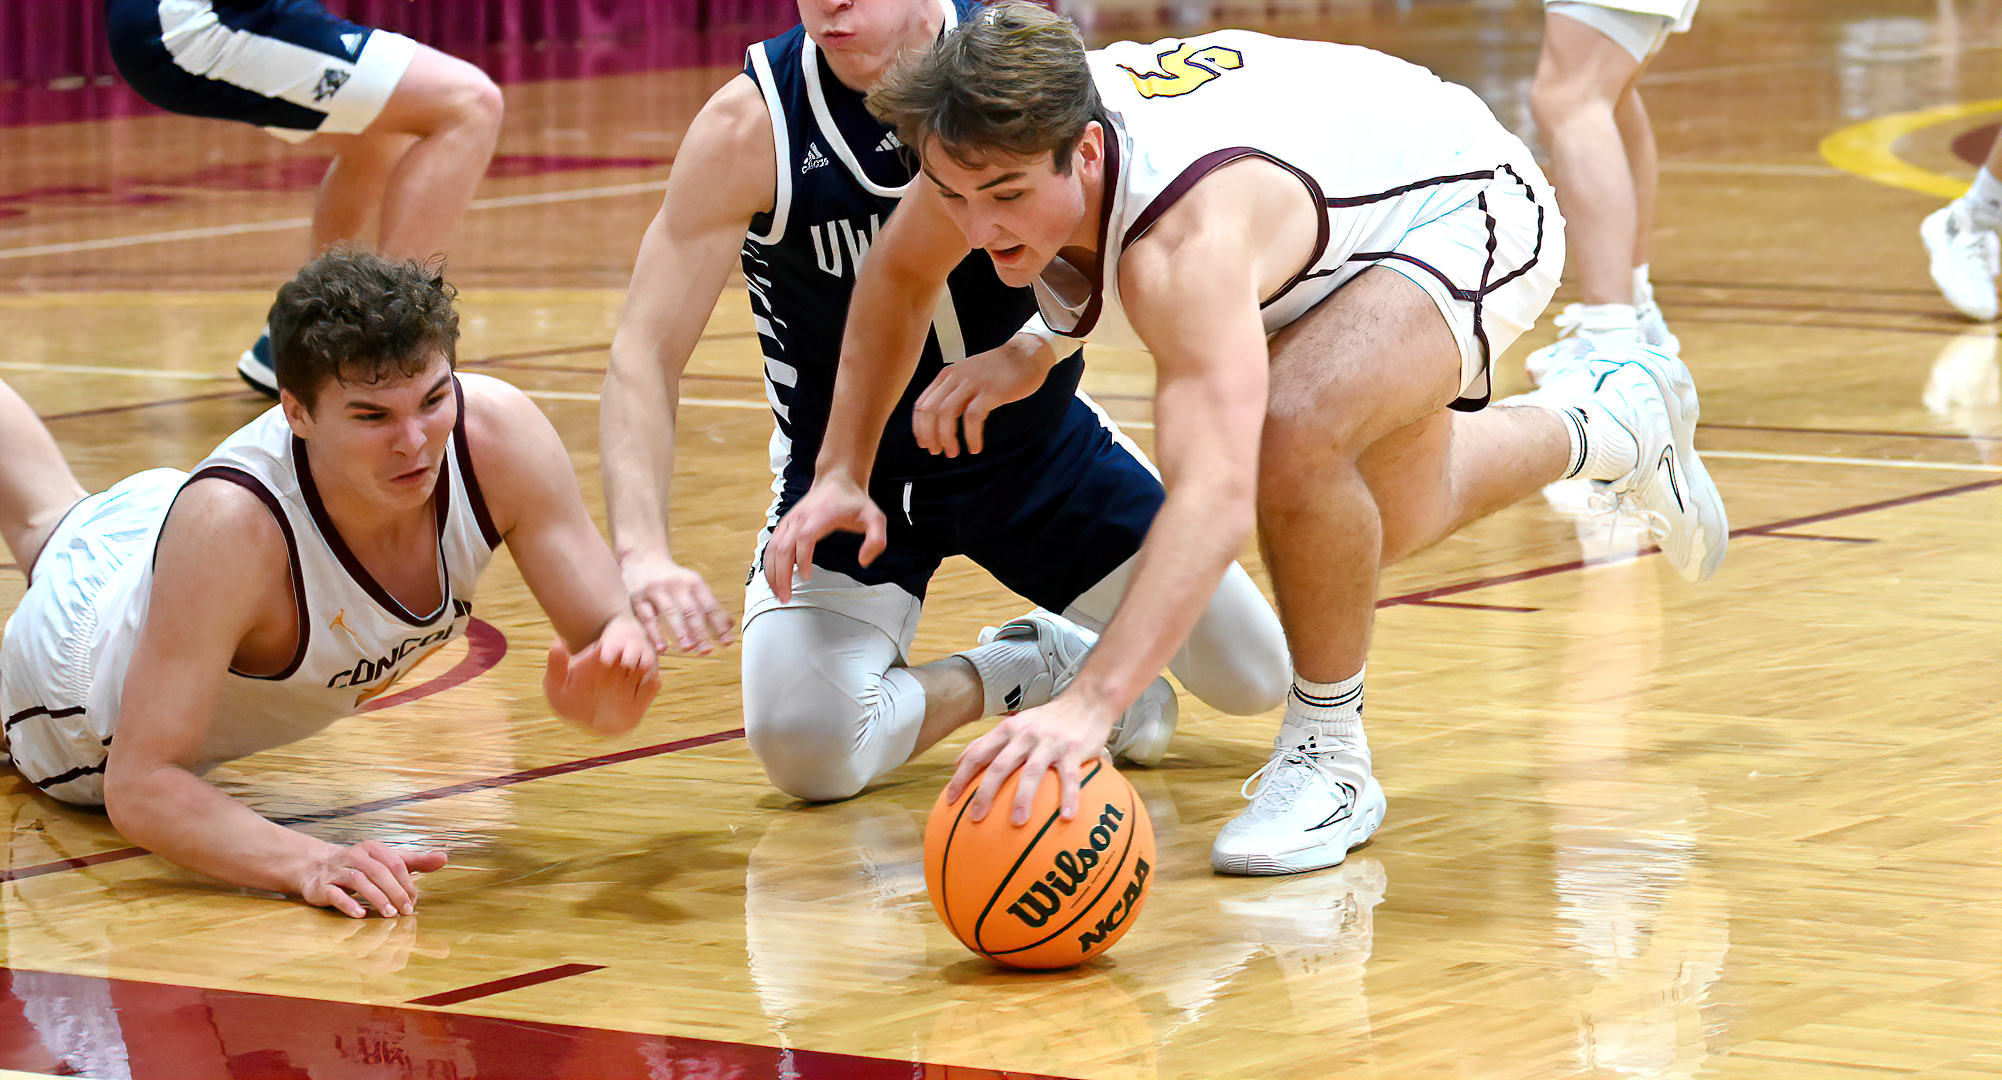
[1637, 828]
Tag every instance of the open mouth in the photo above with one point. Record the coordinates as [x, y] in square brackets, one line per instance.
[1007, 254]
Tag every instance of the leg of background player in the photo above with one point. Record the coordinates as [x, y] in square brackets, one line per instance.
[1580, 77]
[36, 486]
[1637, 135]
[454, 111]
[351, 192]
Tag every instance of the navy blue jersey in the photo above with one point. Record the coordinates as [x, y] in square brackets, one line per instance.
[840, 174]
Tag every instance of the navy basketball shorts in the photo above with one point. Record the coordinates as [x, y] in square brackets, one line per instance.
[1049, 522]
[287, 66]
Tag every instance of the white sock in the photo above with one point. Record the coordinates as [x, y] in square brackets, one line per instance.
[1013, 675]
[1643, 288]
[1323, 715]
[1983, 201]
[1601, 447]
[1610, 323]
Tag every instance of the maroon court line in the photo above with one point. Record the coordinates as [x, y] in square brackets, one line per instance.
[502, 986]
[559, 769]
[1794, 324]
[1749, 530]
[1859, 432]
[1777, 286]
[110, 409]
[1817, 536]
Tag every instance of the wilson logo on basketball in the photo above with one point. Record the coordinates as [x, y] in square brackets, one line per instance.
[1073, 869]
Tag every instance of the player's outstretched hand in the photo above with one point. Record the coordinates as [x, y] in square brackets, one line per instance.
[834, 503]
[369, 876]
[605, 688]
[674, 605]
[1064, 734]
[971, 389]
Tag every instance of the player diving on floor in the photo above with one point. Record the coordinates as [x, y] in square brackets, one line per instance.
[1322, 280]
[176, 620]
[786, 175]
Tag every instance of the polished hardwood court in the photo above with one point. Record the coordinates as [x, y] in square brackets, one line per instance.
[1637, 828]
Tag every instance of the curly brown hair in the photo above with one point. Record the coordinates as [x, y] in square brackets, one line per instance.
[1010, 79]
[359, 318]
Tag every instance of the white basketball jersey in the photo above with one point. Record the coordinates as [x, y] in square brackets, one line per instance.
[1375, 140]
[355, 639]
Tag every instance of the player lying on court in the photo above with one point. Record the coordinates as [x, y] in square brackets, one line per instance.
[1322, 277]
[174, 621]
[786, 170]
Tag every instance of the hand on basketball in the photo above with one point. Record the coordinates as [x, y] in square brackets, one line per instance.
[370, 875]
[673, 602]
[1064, 734]
[606, 688]
[834, 503]
[974, 387]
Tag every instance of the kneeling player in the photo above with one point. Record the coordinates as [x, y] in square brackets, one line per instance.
[1322, 289]
[356, 516]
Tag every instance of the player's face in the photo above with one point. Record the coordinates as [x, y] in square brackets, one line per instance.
[861, 38]
[380, 443]
[1021, 212]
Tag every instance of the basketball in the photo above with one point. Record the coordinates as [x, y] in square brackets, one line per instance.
[1048, 894]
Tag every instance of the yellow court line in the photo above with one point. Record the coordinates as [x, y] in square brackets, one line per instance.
[129, 373]
[1866, 148]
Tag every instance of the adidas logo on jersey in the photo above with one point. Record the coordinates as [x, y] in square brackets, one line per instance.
[889, 143]
[814, 159]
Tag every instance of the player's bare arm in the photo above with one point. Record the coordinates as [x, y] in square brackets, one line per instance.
[722, 178]
[1192, 289]
[205, 616]
[602, 671]
[896, 291]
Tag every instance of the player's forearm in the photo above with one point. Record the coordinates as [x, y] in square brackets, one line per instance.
[1195, 537]
[636, 422]
[888, 317]
[182, 818]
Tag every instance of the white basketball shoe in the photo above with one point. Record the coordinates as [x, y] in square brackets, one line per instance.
[1651, 394]
[1654, 327]
[1141, 734]
[1316, 800]
[1965, 260]
[255, 367]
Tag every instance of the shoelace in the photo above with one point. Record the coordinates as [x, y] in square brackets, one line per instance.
[1611, 504]
[1296, 754]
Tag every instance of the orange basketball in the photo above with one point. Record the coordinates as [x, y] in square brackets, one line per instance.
[1048, 894]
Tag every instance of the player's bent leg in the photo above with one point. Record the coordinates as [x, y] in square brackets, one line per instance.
[36, 485]
[454, 111]
[1235, 659]
[825, 708]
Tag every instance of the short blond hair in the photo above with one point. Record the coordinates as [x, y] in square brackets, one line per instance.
[1010, 79]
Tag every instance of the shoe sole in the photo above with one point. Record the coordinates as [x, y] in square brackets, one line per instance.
[1711, 534]
[246, 365]
[1151, 744]
[1372, 805]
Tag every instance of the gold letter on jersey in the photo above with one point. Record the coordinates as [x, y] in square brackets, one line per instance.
[1184, 68]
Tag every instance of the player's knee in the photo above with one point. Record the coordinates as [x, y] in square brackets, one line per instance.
[806, 743]
[1249, 682]
[476, 101]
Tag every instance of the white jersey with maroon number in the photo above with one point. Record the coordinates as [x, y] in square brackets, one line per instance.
[1381, 144]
